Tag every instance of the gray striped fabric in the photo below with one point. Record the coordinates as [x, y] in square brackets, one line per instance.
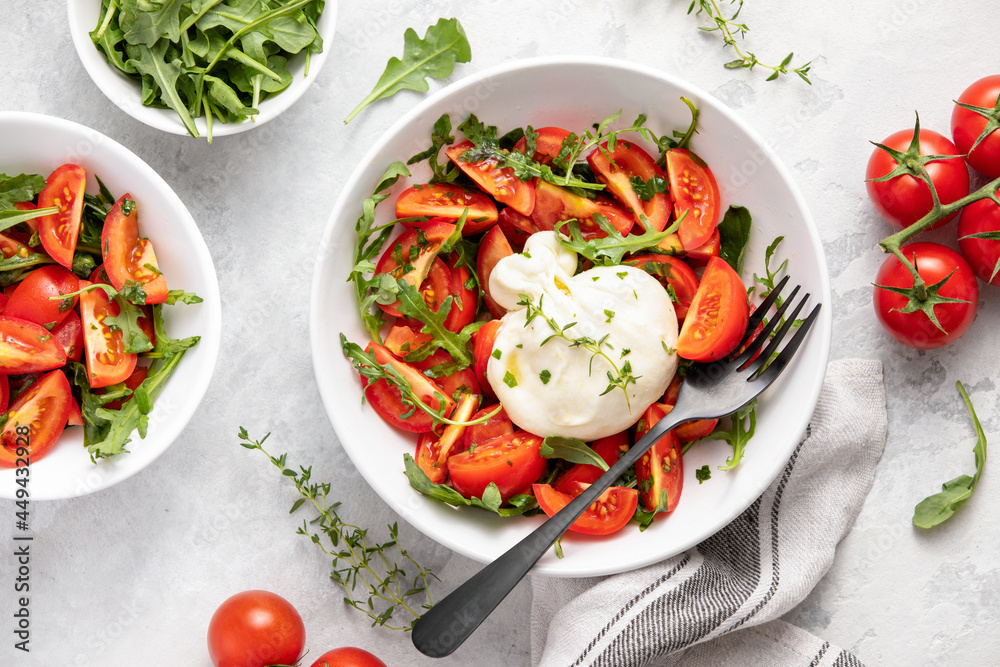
[717, 604]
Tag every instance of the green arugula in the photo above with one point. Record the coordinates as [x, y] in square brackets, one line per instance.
[734, 235]
[18, 189]
[434, 56]
[611, 248]
[939, 507]
[412, 304]
[491, 500]
[441, 136]
[573, 450]
[743, 424]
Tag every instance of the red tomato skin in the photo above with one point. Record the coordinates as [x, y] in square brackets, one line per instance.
[492, 249]
[672, 272]
[58, 232]
[512, 462]
[618, 504]
[982, 254]
[348, 656]
[626, 161]
[554, 204]
[30, 299]
[482, 348]
[516, 227]
[398, 259]
[69, 333]
[548, 144]
[448, 201]
[44, 407]
[4, 393]
[255, 629]
[107, 361]
[694, 189]
[718, 316]
[126, 255]
[660, 471]
[712, 248]
[26, 347]
[934, 263]
[904, 200]
[386, 400]
[496, 426]
[966, 126]
[501, 184]
[465, 299]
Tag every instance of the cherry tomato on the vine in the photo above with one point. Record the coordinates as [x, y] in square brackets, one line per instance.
[935, 263]
[348, 656]
[255, 629]
[967, 125]
[983, 254]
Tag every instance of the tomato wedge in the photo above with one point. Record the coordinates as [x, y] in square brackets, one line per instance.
[4, 393]
[494, 427]
[516, 226]
[501, 184]
[482, 348]
[693, 189]
[548, 144]
[553, 204]
[433, 451]
[387, 401]
[36, 419]
[512, 462]
[608, 514]
[700, 255]
[107, 361]
[672, 273]
[718, 316]
[616, 168]
[403, 339]
[492, 249]
[410, 257]
[609, 448]
[26, 347]
[660, 471]
[31, 299]
[448, 201]
[69, 333]
[129, 258]
[58, 232]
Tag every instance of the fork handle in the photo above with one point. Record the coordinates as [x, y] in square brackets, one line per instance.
[450, 622]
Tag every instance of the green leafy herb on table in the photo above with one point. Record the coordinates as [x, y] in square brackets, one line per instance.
[938, 508]
[434, 56]
[377, 568]
[730, 29]
[212, 58]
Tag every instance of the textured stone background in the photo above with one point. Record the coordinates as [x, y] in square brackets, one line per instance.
[135, 571]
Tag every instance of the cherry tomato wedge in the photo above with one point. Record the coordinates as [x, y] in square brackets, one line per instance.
[609, 448]
[58, 232]
[410, 257]
[31, 298]
[712, 248]
[69, 333]
[449, 202]
[26, 347]
[672, 273]
[548, 144]
[387, 401]
[501, 184]
[660, 471]
[497, 425]
[482, 348]
[695, 430]
[129, 258]
[492, 249]
[512, 462]
[405, 338]
[554, 204]
[517, 227]
[693, 189]
[718, 316]
[36, 419]
[608, 514]
[618, 167]
[107, 361]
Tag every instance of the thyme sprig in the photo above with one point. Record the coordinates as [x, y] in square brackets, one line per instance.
[621, 378]
[376, 568]
[730, 29]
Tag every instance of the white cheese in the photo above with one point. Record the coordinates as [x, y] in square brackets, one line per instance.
[551, 387]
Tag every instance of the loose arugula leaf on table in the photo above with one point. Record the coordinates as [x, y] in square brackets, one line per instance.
[573, 450]
[491, 502]
[939, 507]
[434, 56]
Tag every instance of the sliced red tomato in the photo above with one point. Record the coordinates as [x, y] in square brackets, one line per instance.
[75, 417]
[4, 393]
[26, 347]
[672, 273]
[403, 339]
[718, 316]
[69, 333]
[36, 419]
[496, 426]
[482, 348]
[499, 183]
[465, 296]
[517, 227]
[410, 257]
[700, 255]
[58, 232]
[492, 249]
[107, 361]
[608, 514]
[693, 189]
[31, 299]
[512, 462]
[554, 204]
[449, 202]
[387, 401]
[129, 258]
[12, 246]
[609, 448]
[618, 167]
[433, 450]
[133, 381]
[660, 471]
[548, 144]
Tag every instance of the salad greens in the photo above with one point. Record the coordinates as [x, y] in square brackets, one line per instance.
[434, 56]
[211, 58]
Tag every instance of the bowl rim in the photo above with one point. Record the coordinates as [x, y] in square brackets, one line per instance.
[210, 336]
[823, 330]
[118, 87]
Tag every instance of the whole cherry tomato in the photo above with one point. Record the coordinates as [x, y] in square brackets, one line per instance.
[967, 125]
[255, 629]
[983, 254]
[348, 656]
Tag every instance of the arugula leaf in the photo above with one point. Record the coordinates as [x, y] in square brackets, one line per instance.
[434, 56]
[20, 188]
[939, 507]
[734, 234]
[744, 423]
[573, 450]
[609, 250]
[518, 505]
[412, 304]
[646, 190]
[440, 137]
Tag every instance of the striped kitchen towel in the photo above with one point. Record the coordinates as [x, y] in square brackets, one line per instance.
[718, 603]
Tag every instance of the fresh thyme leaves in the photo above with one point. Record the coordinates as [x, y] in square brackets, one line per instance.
[379, 569]
[434, 56]
[939, 507]
[618, 378]
[730, 29]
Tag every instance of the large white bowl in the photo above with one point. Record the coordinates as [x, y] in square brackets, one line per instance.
[574, 93]
[32, 143]
[126, 92]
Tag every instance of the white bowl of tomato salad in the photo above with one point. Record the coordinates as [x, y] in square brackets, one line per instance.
[571, 94]
[115, 241]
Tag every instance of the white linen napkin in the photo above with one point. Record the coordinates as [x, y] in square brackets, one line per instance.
[716, 604]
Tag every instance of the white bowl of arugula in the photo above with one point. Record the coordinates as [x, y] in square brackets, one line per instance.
[577, 94]
[157, 355]
[243, 64]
